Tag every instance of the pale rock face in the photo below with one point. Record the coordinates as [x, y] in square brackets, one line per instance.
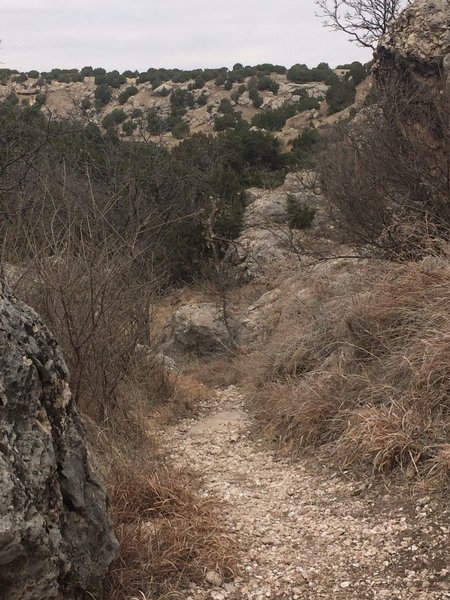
[315, 89]
[267, 209]
[266, 239]
[200, 329]
[422, 32]
[258, 248]
[198, 118]
[56, 539]
[416, 49]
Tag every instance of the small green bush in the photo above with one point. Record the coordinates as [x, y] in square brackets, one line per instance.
[225, 106]
[40, 99]
[220, 79]
[128, 127]
[202, 99]
[256, 98]
[357, 73]
[302, 146]
[115, 117]
[340, 95]
[182, 99]
[155, 124]
[229, 120]
[33, 74]
[103, 94]
[87, 72]
[180, 130]
[300, 216]
[130, 91]
[266, 83]
[130, 74]
[86, 104]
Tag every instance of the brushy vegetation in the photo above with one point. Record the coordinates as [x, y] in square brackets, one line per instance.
[89, 221]
[300, 215]
[355, 354]
[361, 367]
[275, 119]
[386, 172]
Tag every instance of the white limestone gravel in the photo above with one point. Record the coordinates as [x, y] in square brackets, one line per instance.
[303, 530]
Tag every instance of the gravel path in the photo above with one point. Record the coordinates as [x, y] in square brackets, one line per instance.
[307, 532]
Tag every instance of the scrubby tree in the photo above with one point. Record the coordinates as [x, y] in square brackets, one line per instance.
[103, 94]
[87, 72]
[341, 95]
[364, 21]
[132, 90]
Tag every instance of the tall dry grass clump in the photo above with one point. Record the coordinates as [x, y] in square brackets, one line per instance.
[169, 535]
[363, 368]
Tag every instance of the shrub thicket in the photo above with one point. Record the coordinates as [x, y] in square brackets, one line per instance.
[340, 95]
[388, 192]
[275, 119]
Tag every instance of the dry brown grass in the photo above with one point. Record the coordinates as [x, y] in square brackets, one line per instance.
[213, 372]
[168, 535]
[366, 370]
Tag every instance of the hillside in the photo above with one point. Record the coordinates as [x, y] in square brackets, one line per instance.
[225, 358]
[163, 106]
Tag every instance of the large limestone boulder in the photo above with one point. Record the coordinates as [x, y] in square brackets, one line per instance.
[201, 329]
[420, 34]
[55, 534]
[258, 249]
[417, 48]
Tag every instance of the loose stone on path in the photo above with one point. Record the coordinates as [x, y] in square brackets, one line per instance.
[304, 531]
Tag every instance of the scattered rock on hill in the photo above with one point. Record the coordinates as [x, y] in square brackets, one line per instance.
[55, 535]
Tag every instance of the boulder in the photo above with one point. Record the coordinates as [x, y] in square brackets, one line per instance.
[270, 208]
[200, 329]
[256, 249]
[420, 35]
[417, 48]
[56, 539]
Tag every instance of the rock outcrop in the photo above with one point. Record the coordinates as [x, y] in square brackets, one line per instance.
[200, 329]
[417, 49]
[421, 34]
[267, 241]
[56, 539]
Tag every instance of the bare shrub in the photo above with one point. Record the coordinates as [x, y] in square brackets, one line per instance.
[364, 21]
[91, 291]
[386, 173]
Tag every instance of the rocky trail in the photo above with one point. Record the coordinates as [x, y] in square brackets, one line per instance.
[304, 531]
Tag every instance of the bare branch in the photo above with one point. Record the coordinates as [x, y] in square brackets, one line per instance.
[364, 21]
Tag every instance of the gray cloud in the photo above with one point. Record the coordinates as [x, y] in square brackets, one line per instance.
[43, 34]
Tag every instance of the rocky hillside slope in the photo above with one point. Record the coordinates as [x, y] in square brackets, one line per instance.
[343, 347]
[138, 109]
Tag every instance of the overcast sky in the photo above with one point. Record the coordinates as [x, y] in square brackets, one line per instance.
[137, 34]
